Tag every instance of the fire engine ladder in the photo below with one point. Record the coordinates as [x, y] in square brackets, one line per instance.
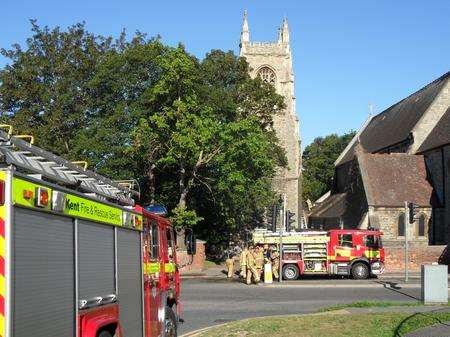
[32, 159]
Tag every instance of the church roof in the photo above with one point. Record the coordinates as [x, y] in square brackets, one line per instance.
[440, 135]
[394, 125]
[391, 179]
[332, 207]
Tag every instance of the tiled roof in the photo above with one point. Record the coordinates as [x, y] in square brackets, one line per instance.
[332, 207]
[395, 124]
[391, 179]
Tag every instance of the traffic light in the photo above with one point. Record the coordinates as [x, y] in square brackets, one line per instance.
[412, 207]
[273, 211]
[289, 220]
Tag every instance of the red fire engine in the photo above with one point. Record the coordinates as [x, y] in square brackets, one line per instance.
[77, 257]
[356, 253]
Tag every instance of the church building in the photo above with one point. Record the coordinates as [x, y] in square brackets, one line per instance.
[272, 61]
[400, 155]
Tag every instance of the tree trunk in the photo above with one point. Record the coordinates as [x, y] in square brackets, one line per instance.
[185, 187]
[151, 182]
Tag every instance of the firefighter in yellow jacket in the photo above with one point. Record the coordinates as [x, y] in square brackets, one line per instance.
[230, 266]
[275, 259]
[259, 260]
[251, 267]
[243, 262]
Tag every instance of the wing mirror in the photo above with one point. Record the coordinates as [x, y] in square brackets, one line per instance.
[190, 241]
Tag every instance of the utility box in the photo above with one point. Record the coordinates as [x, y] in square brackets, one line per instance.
[434, 283]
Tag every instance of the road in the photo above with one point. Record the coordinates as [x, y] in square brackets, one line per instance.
[213, 301]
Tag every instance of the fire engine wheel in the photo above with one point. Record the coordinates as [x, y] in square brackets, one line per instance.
[360, 271]
[290, 272]
[170, 323]
[105, 333]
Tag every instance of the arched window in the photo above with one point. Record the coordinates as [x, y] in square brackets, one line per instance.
[401, 225]
[421, 228]
[267, 75]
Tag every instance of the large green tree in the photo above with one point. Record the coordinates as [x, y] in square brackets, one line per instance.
[318, 164]
[196, 134]
[45, 90]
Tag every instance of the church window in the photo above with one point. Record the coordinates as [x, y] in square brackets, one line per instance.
[267, 75]
[421, 229]
[401, 225]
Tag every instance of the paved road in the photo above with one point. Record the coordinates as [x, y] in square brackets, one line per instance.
[208, 302]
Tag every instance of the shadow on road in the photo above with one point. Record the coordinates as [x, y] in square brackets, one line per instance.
[393, 286]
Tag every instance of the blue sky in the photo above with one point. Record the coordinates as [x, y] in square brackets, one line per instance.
[347, 54]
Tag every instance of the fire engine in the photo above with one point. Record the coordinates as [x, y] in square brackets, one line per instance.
[77, 256]
[349, 252]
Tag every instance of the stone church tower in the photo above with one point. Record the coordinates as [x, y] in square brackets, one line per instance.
[272, 61]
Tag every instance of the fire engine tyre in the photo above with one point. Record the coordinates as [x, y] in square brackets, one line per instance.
[170, 323]
[104, 333]
[290, 272]
[360, 271]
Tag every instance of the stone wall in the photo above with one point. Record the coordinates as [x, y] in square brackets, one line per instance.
[192, 264]
[388, 218]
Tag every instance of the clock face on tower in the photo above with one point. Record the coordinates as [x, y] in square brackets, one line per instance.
[267, 75]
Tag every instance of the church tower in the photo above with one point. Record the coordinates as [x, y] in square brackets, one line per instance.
[272, 61]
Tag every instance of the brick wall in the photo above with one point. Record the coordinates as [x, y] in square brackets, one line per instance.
[419, 253]
[189, 264]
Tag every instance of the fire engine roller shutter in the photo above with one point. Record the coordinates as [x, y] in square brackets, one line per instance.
[129, 281]
[95, 260]
[43, 275]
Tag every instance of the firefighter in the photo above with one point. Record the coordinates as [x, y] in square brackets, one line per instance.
[275, 260]
[230, 265]
[259, 260]
[243, 262]
[251, 267]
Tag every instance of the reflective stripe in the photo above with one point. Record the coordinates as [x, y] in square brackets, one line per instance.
[151, 268]
[74, 205]
[372, 254]
[170, 267]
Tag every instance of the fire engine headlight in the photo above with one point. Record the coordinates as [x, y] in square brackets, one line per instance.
[377, 265]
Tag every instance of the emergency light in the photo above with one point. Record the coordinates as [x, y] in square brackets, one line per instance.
[42, 197]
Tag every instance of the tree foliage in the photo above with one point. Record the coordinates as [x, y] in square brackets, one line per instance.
[318, 164]
[197, 134]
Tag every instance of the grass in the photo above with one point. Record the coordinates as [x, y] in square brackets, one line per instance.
[370, 304]
[336, 325]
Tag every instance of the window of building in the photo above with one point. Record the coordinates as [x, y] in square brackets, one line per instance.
[421, 226]
[345, 240]
[401, 225]
[267, 75]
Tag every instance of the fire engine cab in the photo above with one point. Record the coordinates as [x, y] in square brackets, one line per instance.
[356, 253]
[77, 256]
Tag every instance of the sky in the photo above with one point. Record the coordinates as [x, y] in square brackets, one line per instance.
[348, 55]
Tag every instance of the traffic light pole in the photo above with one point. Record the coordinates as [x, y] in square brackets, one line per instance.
[406, 240]
[283, 226]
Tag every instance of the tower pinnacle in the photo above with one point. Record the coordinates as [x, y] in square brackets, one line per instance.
[245, 34]
[285, 31]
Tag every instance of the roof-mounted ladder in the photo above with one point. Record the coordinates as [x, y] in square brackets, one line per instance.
[33, 159]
